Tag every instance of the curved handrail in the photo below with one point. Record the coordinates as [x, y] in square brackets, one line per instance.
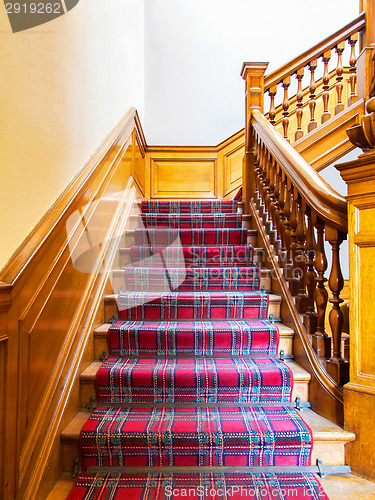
[302, 60]
[327, 203]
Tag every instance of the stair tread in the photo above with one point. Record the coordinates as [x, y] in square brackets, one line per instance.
[335, 485]
[322, 429]
[299, 373]
[102, 330]
[272, 297]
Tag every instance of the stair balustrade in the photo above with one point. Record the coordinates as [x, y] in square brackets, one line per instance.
[298, 211]
[321, 91]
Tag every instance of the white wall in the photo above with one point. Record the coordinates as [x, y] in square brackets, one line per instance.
[63, 87]
[194, 50]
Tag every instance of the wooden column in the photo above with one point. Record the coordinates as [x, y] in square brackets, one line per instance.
[365, 74]
[253, 74]
[359, 393]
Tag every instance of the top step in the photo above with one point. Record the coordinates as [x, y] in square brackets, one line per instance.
[186, 207]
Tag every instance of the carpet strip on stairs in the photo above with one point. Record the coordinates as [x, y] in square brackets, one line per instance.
[222, 256]
[136, 338]
[235, 436]
[193, 305]
[192, 290]
[203, 486]
[194, 380]
[175, 278]
[181, 207]
[190, 237]
[190, 221]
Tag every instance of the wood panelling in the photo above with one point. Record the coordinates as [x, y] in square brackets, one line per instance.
[179, 178]
[359, 394]
[195, 172]
[49, 299]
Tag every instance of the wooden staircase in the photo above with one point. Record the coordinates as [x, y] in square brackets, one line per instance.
[329, 438]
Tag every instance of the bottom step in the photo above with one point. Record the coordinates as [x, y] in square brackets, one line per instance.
[205, 486]
[336, 486]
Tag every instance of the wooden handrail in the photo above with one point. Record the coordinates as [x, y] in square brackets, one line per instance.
[315, 52]
[330, 205]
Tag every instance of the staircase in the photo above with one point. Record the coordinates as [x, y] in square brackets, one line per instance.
[197, 384]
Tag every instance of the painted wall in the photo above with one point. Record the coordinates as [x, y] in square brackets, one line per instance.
[194, 51]
[63, 87]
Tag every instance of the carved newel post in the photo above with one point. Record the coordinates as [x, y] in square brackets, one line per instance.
[359, 393]
[253, 74]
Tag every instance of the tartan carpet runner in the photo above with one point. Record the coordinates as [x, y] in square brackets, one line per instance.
[187, 207]
[190, 320]
[200, 485]
[193, 305]
[194, 381]
[190, 237]
[223, 256]
[198, 338]
[235, 436]
[164, 279]
[189, 221]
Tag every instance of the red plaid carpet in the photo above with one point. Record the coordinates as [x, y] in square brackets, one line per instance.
[203, 486]
[224, 256]
[175, 278]
[137, 338]
[192, 290]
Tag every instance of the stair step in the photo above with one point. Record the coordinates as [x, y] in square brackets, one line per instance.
[101, 339]
[274, 308]
[337, 486]
[190, 237]
[124, 252]
[329, 439]
[190, 279]
[189, 221]
[88, 382]
[185, 206]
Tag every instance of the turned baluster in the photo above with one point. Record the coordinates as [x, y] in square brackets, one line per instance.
[299, 111]
[325, 95]
[300, 258]
[285, 121]
[320, 340]
[287, 217]
[337, 367]
[293, 280]
[310, 318]
[312, 102]
[281, 207]
[267, 191]
[340, 47]
[262, 184]
[276, 197]
[353, 69]
[257, 174]
[272, 209]
[272, 112]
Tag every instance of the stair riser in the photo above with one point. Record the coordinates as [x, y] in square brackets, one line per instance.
[88, 391]
[330, 452]
[124, 257]
[129, 239]
[110, 308]
[118, 282]
[101, 344]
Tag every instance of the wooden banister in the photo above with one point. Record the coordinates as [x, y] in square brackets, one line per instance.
[327, 203]
[315, 52]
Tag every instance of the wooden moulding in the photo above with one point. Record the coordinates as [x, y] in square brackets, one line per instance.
[49, 306]
[325, 201]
